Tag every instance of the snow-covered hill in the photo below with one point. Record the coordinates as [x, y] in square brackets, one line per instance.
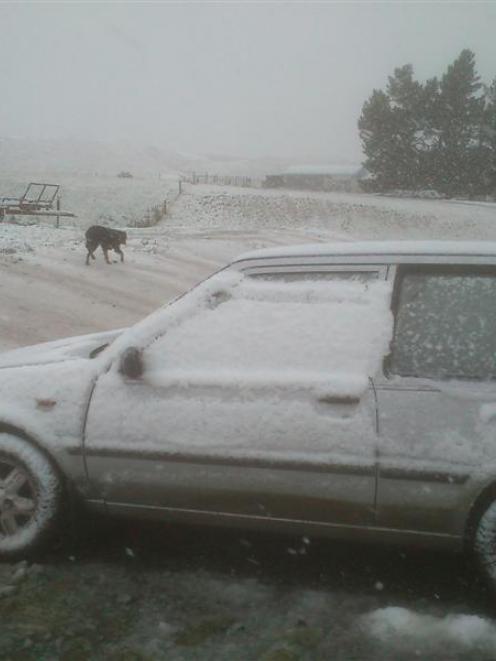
[20, 155]
[76, 157]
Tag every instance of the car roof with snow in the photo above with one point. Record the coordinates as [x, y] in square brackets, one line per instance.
[373, 252]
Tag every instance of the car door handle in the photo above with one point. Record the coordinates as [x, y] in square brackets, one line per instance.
[334, 399]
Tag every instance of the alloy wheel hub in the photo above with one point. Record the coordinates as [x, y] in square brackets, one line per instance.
[17, 499]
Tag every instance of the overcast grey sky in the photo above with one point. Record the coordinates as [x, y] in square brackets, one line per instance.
[246, 79]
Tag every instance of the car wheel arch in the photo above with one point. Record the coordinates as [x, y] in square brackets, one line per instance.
[14, 430]
[477, 509]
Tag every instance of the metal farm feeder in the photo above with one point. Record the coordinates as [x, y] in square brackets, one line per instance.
[38, 200]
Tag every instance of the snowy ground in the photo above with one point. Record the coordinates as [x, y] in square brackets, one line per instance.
[98, 199]
[151, 592]
[183, 595]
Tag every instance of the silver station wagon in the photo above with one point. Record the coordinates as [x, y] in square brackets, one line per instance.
[343, 390]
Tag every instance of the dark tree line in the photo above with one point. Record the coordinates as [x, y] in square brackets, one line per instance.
[438, 135]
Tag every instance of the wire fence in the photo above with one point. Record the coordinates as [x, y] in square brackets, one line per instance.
[222, 180]
[154, 214]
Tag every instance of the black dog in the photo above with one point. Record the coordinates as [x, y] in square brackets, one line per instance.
[107, 238]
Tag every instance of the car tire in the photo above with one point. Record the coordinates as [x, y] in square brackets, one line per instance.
[484, 544]
[30, 497]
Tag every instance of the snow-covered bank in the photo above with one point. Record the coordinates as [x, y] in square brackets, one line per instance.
[340, 215]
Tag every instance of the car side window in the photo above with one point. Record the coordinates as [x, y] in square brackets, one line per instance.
[276, 326]
[445, 323]
[304, 276]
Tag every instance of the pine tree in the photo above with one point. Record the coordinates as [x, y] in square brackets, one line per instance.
[439, 135]
[393, 133]
[488, 138]
[376, 134]
[428, 134]
[405, 97]
[457, 154]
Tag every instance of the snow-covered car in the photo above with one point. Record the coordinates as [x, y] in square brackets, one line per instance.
[342, 390]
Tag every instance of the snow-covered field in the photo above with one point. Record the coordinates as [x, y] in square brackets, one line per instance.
[47, 291]
[96, 198]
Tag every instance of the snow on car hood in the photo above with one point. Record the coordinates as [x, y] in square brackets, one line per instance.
[67, 348]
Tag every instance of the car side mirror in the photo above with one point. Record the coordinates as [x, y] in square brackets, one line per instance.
[131, 363]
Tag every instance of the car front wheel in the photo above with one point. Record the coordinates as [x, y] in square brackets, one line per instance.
[30, 497]
[484, 544]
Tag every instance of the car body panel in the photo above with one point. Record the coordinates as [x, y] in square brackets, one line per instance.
[375, 252]
[432, 442]
[70, 348]
[48, 403]
[313, 458]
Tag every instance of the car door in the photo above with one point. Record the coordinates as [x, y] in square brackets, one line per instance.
[437, 407]
[256, 404]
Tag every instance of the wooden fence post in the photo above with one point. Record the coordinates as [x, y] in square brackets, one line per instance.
[58, 209]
